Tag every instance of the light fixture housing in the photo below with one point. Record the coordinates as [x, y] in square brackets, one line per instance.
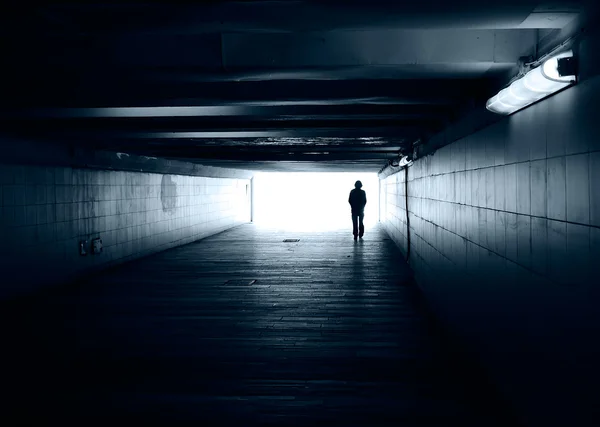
[536, 84]
[406, 161]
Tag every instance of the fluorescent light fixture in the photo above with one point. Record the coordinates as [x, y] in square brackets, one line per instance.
[538, 83]
[405, 161]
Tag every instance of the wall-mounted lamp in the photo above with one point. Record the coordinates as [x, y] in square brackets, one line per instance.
[401, 161]
[406, 161]
[553, 75]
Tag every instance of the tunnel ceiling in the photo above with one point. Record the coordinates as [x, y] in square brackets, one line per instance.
[267, 85]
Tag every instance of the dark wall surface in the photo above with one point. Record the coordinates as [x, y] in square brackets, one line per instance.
[505, 238]
[47, 211]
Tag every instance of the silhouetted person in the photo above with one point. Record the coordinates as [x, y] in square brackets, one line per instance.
[358, 200]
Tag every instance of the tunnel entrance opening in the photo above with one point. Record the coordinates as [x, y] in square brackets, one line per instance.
[310, 201]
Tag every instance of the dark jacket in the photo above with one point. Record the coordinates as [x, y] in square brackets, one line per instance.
[357, 200]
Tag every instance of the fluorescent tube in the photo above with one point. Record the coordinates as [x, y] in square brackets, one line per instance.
[538, 83]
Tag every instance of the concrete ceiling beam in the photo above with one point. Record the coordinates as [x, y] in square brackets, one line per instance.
[282, 16]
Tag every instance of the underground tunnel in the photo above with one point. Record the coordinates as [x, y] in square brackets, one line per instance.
[177, 238]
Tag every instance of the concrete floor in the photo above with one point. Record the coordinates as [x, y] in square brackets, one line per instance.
[332, 331]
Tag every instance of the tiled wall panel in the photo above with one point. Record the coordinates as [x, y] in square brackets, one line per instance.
[46, 211]
[515, 246]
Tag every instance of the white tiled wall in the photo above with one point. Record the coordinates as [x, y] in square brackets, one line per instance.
[46, 212]
[505, 234]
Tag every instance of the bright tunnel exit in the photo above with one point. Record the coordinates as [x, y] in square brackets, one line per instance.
[310, 201]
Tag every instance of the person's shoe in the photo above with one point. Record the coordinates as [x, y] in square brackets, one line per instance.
[355, 237]
[360, 237]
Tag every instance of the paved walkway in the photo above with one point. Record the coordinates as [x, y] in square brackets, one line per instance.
[242, 329]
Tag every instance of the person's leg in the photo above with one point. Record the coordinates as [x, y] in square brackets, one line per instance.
[354, 225]
[361, 227]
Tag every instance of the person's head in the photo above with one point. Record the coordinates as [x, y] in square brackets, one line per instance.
[357, 184]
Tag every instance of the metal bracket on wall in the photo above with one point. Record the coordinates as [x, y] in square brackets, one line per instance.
[97, 246]
[83, 247]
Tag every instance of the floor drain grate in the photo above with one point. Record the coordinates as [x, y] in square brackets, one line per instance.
[239, 282]
[291, 240]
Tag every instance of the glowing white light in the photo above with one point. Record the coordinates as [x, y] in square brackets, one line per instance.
[535, 85]
[311, 201]
[405, 161]
[550, 67]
